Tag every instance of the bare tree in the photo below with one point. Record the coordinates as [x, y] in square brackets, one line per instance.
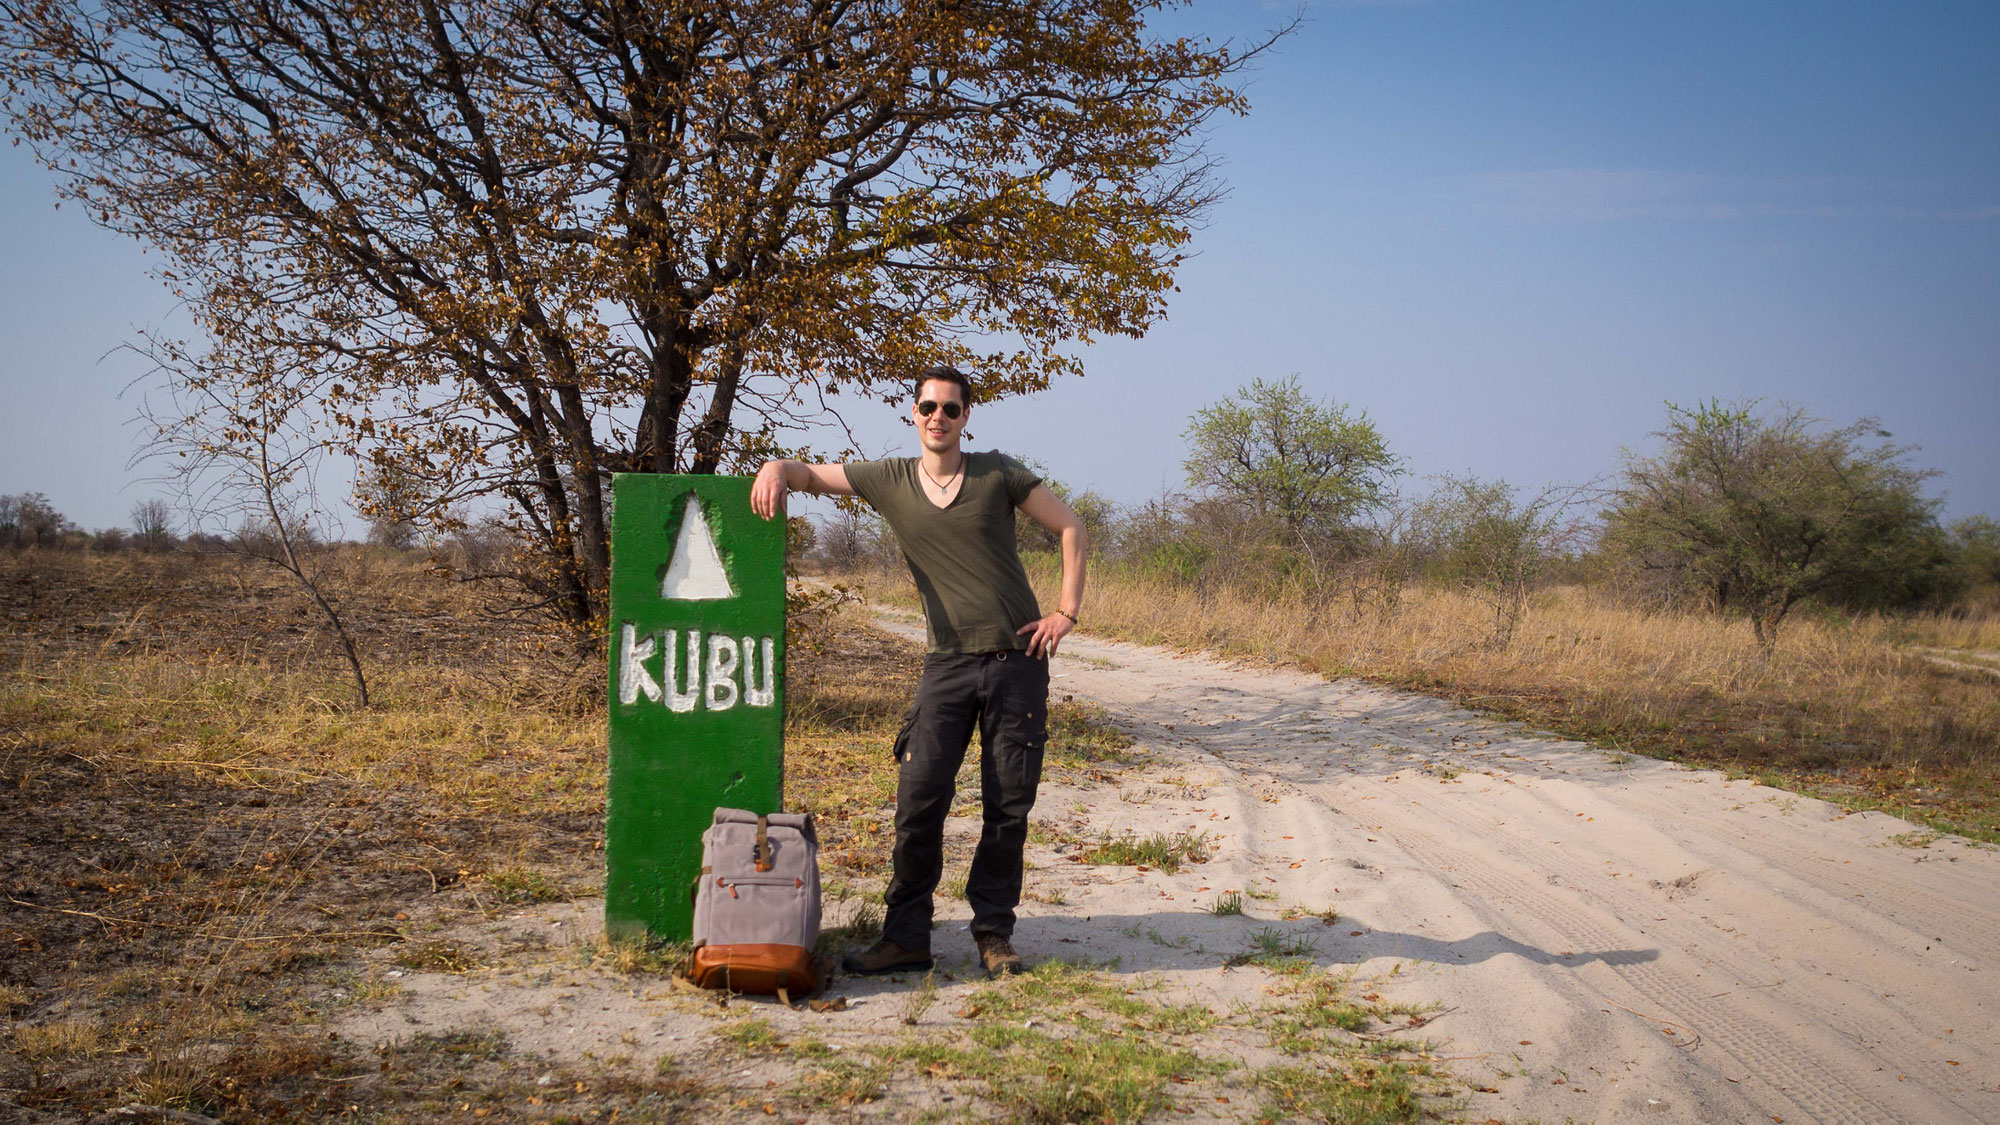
[245, 451]
[843, 539]
[393, 499]
[1367, 566]
[1494, 543]
[153, 524]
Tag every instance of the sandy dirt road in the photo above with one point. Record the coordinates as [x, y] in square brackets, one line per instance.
[1643, 940]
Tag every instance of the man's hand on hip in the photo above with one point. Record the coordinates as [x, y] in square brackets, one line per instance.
[1042, 635]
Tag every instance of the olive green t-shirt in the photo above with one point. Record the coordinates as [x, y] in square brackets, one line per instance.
[962, 555]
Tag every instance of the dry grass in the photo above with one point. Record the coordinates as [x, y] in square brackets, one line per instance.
[1855, 709]
[59, 1041]
[1848, 708]
[199, 834]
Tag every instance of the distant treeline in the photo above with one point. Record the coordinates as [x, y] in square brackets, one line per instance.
[1747, 510]
[29, 520]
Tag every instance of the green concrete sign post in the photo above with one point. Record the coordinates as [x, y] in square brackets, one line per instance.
[697, 685]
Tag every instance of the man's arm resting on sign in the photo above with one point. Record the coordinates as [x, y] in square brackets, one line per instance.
[1047, 509]
[776, 478]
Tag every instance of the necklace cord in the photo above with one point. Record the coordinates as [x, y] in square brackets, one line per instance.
[934, 480]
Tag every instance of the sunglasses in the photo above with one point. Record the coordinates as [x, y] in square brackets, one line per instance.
[929, 407]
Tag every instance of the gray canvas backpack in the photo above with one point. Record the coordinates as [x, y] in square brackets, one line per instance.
[756, 905]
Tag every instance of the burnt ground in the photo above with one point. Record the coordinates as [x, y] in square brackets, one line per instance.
[182, 887]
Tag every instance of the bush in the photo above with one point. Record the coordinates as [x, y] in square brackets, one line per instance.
[1484, 538]
[1975, 557]
[1758, 512]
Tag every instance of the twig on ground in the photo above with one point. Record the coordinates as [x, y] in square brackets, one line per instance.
[228, 766]
[151, 1113]
[94, 916]
[1694, 1037]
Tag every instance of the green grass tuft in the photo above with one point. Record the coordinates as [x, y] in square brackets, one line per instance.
[1277, 951]
[1326, 914]
[520, 885]
[438, 957]
[1081, 735]
[1361, 1094]
[753, 1034]
[1168, 853]
[840, 1083]
[1038, 1077]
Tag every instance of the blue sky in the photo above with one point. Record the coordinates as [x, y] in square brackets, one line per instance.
[1510, 232]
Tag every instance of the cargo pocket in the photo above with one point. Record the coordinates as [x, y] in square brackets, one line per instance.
[1027, 728]
[900, 750]
[1027, 763]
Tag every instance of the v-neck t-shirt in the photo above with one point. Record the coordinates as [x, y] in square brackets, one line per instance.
[963, 556]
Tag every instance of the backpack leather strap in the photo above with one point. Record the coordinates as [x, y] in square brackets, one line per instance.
[762, 853]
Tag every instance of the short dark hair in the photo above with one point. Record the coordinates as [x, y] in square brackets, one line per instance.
[946, 374]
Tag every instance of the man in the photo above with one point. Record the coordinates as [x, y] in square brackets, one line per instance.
[987, 663]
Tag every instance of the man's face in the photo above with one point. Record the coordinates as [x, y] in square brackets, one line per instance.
[938, 430]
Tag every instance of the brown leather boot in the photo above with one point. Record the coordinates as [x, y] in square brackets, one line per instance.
[997, 956]
[886, 956]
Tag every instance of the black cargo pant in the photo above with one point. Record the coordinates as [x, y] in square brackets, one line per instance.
[1006, 695]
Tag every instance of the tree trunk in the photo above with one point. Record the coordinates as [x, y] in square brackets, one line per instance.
[1764, 621]
[593, 539]
[291, 563]
[572, 586]
[714, 426]
[673, 378]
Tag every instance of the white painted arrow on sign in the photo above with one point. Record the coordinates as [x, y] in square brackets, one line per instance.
[696, 573]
